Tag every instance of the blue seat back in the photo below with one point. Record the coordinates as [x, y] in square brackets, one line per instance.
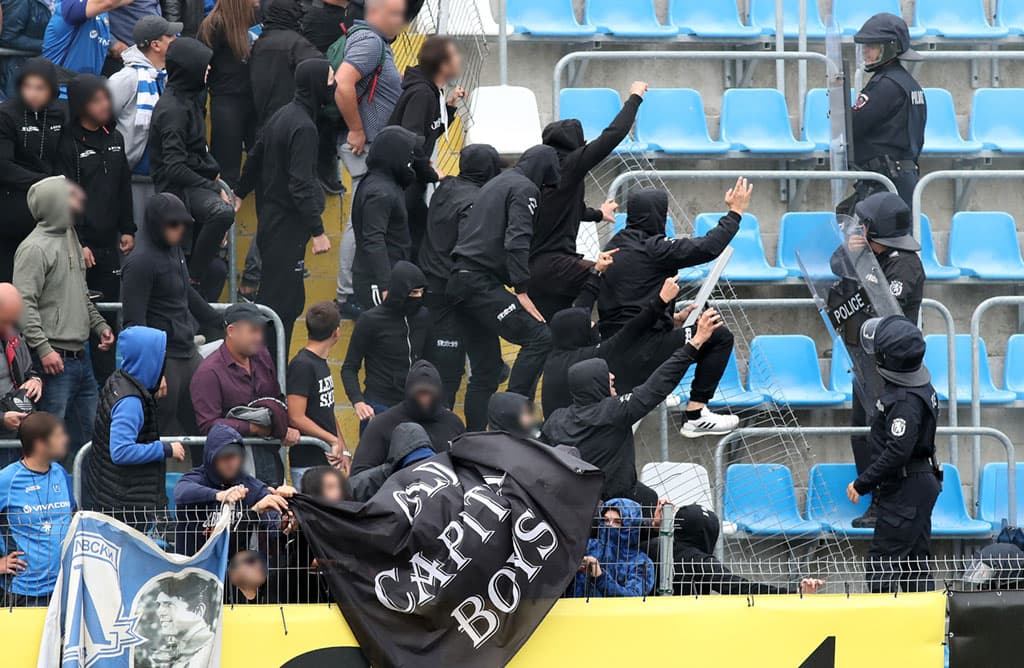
[993, 497]
[826, 495]
[814, 233]
[950, 512]
[620, 224]
[936, 359]
[841, 369]
[748, 248]
[816, 122]
[543, 16]
[762, 13]
[990, 124]
[170, 480]
[760, 493]
[750, 115]
[672, 116]
[959, 18]
[851, 14]
[594, 108]
[933, 267]
[941, 129]
[1010, 14]
[714, 17]
[782, 362]
[1013, 374]
[637, 17]
[984, 243]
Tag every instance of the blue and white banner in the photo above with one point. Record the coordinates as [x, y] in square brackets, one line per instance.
[121, 601]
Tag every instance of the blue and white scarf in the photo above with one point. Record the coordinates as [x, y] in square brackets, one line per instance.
[151, 85]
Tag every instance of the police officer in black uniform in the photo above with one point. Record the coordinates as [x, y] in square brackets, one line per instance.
[903, 474]
[889, 114]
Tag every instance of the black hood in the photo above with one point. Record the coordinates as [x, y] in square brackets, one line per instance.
[311, 89]
[162, 210]
[571, 328]
[405, 276]
[414, 77]
[282, 15]
[423, 375]
[407, 438]
[81, 89]
[392, 153]
[503, 411]
[696, 529]
[539, 164]
[564, 136]
[187, 60]
[588, 382]
[647, 210]
[42, 68]
[479, 163]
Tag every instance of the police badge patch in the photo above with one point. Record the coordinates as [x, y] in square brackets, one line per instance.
[898, 427]
[896, 288]
[861, 102]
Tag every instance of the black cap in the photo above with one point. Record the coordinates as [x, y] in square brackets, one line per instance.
[883, 28]
[247, 312]
[888, 221]
[899, 352]
[152, 27]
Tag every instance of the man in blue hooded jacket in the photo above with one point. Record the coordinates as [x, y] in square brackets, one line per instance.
[614, 564]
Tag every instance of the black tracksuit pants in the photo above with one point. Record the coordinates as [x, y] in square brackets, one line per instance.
[487, 311]
[902, 538]
[214, 218]
[283, 251]
[556, 280]
[232, 129]
[641, 360]
[444, 347]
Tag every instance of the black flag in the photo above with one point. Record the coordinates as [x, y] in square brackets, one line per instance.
[458, 558]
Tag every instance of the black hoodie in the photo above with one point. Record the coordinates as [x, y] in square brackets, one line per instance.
[406, 439]
[421, 109]
[600, 426]
[179, 156]
[647, 257]
[503, 412]
[274, 57]
[441, 425]
[155, 287]
[282, 164]
[29, 139]
[496, 234]
[379, 217]
[388, 338]
[562, 207]
[96, 160]
[478, 164]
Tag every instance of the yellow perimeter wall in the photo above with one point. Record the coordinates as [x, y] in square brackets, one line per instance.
[775, 632]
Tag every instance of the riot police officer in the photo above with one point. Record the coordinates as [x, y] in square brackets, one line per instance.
[889, 113]
[903, 473]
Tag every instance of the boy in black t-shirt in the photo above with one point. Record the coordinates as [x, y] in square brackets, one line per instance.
[311, 393]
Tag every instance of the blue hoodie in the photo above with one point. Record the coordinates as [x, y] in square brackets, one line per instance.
[199, 487]
[142, 350]
[625, 570]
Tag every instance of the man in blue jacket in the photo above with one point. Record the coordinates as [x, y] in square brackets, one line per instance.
[614, 564]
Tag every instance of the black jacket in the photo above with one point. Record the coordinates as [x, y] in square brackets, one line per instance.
[496, 235]
[562, 207]
[178, 154]
[388, 338]
[646, 258]
[282, 164]
[29, 139]
[155, 286]
[600, 426]
[407, 438]
[96, 160]
[503, 412]
[322, 25]
[902, 431]
[454, 197]
[274, 57]
[421, 109]
[188, 12]
[229, 74]
[441, 424]
[889, 116]
[379, 217]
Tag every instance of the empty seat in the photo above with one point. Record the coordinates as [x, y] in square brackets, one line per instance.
[851, 14]
[992, 125]
[956, 19]
[170, 480]
[672, 120]
[627, 19]
[620, 224]
[1010, 15]
[682, 483]
[941, 133]
[937, 360]
[546, 18]
[595, 108]
[505, 117]
[762, 15]
[785, 369]
[993, 498]
[748, 261]
[949, 517]
[761, 500]
[827, 502]
[817, 128]
[730, 393]
[709, 18]
[984, 244]
[814, 233]
[840, 372]
[1013, 367]
[757, 120]
[934, 270]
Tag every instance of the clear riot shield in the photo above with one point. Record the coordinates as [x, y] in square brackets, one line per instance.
[848, 287]
[838, 109]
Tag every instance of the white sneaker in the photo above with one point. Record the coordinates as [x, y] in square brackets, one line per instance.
[709, 424]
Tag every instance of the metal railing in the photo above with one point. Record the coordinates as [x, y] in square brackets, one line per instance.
[931, 177]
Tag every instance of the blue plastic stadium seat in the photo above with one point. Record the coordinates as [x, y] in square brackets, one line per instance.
[949, 517]
[956, 19]
[709, 18]
[933, 269]
[762, 15]
[170, 480]
[595, 108]
[992, 126]
[748, 263]
[840, 373]
[554, 18]
[827, 502]
[730, 393]
[672, 120]
[1013, 371]
[757, 120]
[984, 244]
[936, 359]
[816, 123]
[627, 19]
[1010, 15]
[761, 500]
[785, 368]
[851, 14]
[941, 133]
[802, 229]
[620, 224]
[993, 498]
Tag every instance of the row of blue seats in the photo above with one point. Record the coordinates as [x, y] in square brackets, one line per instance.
[761, 500]
[983, 245]
[715, 19]
[756, 120]
[784, 368]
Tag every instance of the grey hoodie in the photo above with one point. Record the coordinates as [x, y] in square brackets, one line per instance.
[124, 90]
[49, 272]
